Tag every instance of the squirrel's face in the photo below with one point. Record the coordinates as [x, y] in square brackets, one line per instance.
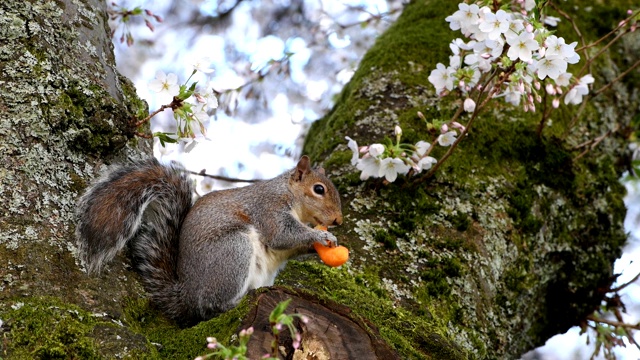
[325, 201]
[317, 201]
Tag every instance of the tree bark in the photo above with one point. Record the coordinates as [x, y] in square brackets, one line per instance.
[64, 111]
[510, 243]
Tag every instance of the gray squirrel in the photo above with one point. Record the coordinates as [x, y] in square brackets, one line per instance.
[199, 260]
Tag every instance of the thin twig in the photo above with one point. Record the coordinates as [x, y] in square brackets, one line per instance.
[174, 104]
[625, 284]
[614, 323]
[623, 74]
[626, 330]
[480, 105]
[546, 111]
[144, 136]
[620, 25]
[597, 141]
[222, 178]
[587, 64]
[573, 24]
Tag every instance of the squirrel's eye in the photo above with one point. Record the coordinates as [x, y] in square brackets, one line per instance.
[318, 189]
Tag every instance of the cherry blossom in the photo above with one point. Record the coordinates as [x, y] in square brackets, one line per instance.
[369, 166]
[465, 18]
[391, 167]
[574, 96]
[422, 147]
[551, 67]
[557, 48]
[353, 146]
[165, 84]
[522, 47]
[376, 149]
[442, 78]
[426, 163]
[448, 138]
[495, 24]
[202, 65]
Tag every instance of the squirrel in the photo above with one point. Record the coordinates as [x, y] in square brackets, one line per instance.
[197, 261]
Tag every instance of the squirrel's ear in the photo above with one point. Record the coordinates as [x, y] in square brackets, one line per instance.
[302, 168]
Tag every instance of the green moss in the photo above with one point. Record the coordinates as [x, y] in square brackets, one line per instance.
[184, 343]
[413, 337]
[394, 52]
[338, 158]
[437, 276]
[46, 328]
[461, 221]
[387, 240]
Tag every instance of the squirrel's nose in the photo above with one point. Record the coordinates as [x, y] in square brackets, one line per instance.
[337, 221]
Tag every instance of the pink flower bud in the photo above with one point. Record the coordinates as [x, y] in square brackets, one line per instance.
[444, 128]
[457, 125]
[551, 90]
[542, 51]
[469, 105]
[149, 25]
[555, 103]
[529, 28]
[538, 98]
[536, 84]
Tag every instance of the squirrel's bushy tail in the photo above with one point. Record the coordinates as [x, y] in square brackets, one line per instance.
[144, 204]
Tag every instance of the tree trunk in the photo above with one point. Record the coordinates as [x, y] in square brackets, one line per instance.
[64, 110]
[510, 243]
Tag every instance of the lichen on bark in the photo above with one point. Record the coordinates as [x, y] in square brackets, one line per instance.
[63, 111]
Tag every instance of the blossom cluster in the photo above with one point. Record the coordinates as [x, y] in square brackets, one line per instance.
[504, 39]
[388, 161]
[191, 116]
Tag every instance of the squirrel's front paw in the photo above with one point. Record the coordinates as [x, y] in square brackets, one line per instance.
[326, 238]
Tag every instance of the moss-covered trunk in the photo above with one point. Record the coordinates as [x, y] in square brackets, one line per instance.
[511, 242]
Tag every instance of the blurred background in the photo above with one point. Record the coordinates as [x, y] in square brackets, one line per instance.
[278, 66]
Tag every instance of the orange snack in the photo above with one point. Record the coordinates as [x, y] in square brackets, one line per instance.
[332, 256]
